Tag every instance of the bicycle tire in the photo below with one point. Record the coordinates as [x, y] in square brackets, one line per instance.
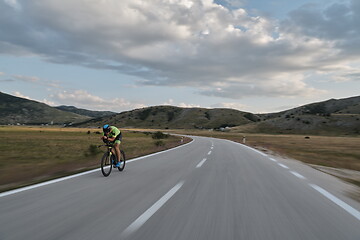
[122, 160]
[106, 164]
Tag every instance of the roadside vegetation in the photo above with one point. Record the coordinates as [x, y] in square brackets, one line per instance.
[330, 151]
[321, 152]
[33, 154]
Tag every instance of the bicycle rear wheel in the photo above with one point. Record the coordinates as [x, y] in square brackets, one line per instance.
[122, 160]
[106, 164]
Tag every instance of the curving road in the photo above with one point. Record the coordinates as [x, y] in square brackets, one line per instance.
[208, 189]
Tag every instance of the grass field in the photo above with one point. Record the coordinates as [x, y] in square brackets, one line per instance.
[337, 152]
[33, 154]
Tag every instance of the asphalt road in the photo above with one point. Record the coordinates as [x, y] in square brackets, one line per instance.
[208, 189]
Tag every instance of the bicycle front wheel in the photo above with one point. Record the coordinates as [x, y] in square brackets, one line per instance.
[122, 160]
[106, 164]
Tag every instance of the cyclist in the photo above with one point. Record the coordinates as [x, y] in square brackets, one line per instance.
[113, 135]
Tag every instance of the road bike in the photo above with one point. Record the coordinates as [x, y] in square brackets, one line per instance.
[109, 160]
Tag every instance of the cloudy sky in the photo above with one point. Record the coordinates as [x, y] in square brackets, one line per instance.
[251, 55]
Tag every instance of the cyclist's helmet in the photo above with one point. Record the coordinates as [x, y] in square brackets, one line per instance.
[106, 128]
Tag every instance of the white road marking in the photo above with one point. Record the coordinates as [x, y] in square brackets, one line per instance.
[201, 163]
[209, 152]
[337, 201]
[153, 209]
[46, 183]
[282, 165]
[259, 152]
[153, 154]
[253, 149]
[298, 175]
[272, 159]
[81, 174]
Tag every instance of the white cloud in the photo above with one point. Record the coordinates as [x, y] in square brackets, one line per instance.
[27, 78]
[50, 103]
[14, 4]
[186, 105]
[37, 81]
[232, 105]
[171, 102]
[19, 94]
[192, 43]
[83, 99]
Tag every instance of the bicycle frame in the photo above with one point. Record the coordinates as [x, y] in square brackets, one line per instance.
[110, 158]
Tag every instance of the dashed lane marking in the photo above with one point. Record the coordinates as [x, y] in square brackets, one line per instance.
[201, 163]
[153, 209]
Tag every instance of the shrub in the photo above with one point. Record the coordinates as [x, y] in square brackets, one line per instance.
[159, 135]
[251, 117]
[159, 143]
[207, 115]
[144, 114]
[93, 150]
[171, 116]
[319, 108]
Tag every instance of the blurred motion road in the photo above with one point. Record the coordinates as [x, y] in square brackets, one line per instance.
[208, 189]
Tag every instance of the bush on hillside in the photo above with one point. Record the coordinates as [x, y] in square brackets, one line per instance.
[93, 150]
[159, 143]
[159, 135]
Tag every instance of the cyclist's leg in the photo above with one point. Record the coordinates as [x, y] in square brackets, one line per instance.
[117, 149]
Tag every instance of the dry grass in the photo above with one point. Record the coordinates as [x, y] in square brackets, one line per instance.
[33, 154]
[338, 152]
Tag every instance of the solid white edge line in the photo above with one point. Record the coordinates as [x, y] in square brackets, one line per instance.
[298, 175]
[337, 201]
[133, 227]
[253, 149]
[272, 159]
[153, 154]
[283, 166]
[45, 183]
[201, 163]
[7, 193]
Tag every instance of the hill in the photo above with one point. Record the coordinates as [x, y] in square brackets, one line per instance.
[331, 117]
[15, 110]
[84, 112]
[175, 117]
[334, 116]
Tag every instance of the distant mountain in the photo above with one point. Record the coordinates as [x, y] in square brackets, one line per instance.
[334, 116]
[175, 117]
[333, 106]
[84, 112]
[15, 110]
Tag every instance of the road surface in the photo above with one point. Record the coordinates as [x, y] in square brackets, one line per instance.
[207, 189]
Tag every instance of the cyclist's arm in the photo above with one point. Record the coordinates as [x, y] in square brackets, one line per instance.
[111, 139]
[114, 133]
[104, 136]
